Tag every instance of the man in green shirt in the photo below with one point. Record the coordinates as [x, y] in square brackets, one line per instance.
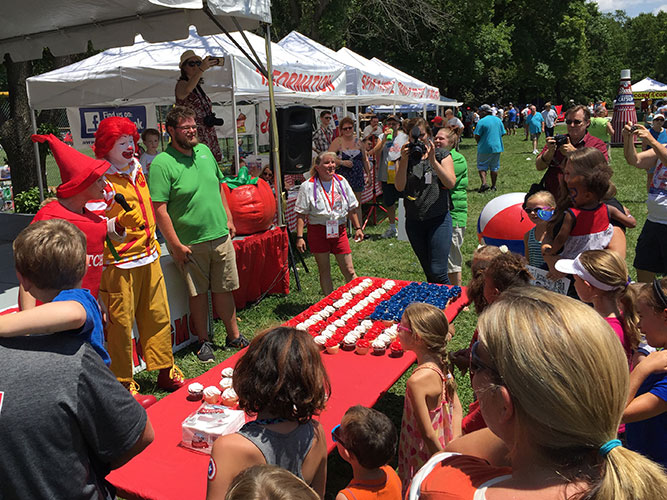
[193, 215]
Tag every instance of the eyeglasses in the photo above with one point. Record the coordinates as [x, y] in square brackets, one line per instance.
[404, 329]
[187, 127]
[658, 119]
[347, 128]
[476, 364]
[335, 435]
[192, 64]
[575, 122]
[326, 118]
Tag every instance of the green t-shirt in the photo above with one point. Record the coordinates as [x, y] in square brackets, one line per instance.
[459, 193]
[598, 128]
[190, 185]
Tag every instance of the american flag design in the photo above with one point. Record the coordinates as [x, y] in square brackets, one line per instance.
[624, 110]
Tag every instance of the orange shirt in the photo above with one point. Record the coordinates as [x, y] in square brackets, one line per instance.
[387, 488]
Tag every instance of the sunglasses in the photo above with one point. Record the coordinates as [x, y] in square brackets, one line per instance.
[404, 329]
[658, 119]
[575, 122]
[347, 128]
[326, 118]
[335, 435]
[476, 364]
[192, 64]
[544, 213]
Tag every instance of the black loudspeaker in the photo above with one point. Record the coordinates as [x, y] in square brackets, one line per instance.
[295, 138]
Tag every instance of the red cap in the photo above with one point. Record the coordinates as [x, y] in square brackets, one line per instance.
[437, 121]
[77, 171]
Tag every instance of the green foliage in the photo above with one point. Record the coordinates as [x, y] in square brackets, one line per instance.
[27, 202]
[491, 50]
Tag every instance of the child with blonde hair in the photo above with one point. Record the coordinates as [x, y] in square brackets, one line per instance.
[432, 410]
[539, 207]
[601, 279]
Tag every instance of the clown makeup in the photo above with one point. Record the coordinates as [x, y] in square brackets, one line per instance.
[122, 152]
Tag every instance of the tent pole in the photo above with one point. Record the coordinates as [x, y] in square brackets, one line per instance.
[38, 167]
[255, 143]
[277, 178]
[356, 112]
[236, 129]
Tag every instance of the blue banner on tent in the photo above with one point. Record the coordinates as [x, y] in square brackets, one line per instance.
[91, 118]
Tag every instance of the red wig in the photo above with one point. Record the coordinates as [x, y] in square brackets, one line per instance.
[109, 131]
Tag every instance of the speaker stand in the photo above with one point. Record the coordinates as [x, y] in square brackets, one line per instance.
[291, 261]
[374, 206]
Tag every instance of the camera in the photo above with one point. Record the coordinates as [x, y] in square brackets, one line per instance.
[210, 120]
[560, 139]
[417, 147]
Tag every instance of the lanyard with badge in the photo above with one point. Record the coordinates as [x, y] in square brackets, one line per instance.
[332, 223]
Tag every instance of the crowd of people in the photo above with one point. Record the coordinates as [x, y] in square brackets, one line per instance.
[570, 392]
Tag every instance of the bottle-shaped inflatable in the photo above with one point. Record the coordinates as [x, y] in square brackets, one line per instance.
[624, 107]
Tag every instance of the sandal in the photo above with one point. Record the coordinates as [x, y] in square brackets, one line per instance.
[238, 343]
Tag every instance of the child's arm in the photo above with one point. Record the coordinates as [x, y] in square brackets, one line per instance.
[562, 236]
[422, 386]
[624, 217]
[46, 318]
[457, 416]
[647, 405]
[526, 250]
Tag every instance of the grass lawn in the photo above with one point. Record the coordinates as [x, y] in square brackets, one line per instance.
[395, 259]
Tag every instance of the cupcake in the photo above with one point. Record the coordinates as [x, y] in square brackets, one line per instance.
[332, 346]
[367, 324]
[212, 395]
[330, 309]
[227, 372]
[225, 383]
[379, 347]
[396, 349]
[229, 397]
[320, 340]
[339, 322]
[349, 343]
[388, 285]
[363, 346]
[195, 391]
[384, 338]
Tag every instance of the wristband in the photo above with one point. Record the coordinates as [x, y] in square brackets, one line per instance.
[299, 237]
[357, 229]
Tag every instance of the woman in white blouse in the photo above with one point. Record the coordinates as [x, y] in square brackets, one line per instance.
[327, 200]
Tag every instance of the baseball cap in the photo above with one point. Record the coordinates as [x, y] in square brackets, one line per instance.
[575, 267]
[392, 117]
[658, 115]
[486, 108]
[438, 120]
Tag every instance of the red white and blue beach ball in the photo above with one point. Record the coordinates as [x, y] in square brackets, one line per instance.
[503, 222]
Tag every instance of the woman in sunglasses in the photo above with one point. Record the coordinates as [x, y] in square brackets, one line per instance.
[552, 380]
[189, 93]
[352, 160]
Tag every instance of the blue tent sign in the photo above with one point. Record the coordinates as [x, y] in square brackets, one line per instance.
[91, 118]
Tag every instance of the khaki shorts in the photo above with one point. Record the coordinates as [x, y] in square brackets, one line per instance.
[212, 265]
[455, 260]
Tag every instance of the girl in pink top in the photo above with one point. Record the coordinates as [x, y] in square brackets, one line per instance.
[432, 412]
[601, 279]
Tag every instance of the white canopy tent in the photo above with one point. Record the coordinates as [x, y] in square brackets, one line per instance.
[649, 85]
[147, 73]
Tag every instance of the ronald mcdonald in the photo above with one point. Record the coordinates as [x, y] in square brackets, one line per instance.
[132, 286]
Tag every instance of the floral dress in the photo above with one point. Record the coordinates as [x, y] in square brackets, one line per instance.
[199, 102]
[354, 175]
[412, 451]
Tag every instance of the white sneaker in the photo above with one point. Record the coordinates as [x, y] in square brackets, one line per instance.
[390, 233]
[535, 151]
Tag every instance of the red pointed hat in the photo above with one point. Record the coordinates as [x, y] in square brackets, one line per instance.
[77, 171]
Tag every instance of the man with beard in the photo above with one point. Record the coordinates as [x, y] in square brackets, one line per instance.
[193, 215]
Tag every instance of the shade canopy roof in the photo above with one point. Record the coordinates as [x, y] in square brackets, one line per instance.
[66, 26]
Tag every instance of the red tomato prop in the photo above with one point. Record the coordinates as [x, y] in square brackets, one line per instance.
[253, 206]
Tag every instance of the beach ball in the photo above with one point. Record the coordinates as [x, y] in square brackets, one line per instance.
[503, 222]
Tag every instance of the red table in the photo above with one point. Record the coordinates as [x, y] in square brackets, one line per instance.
[166, 470]
[261, 261]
